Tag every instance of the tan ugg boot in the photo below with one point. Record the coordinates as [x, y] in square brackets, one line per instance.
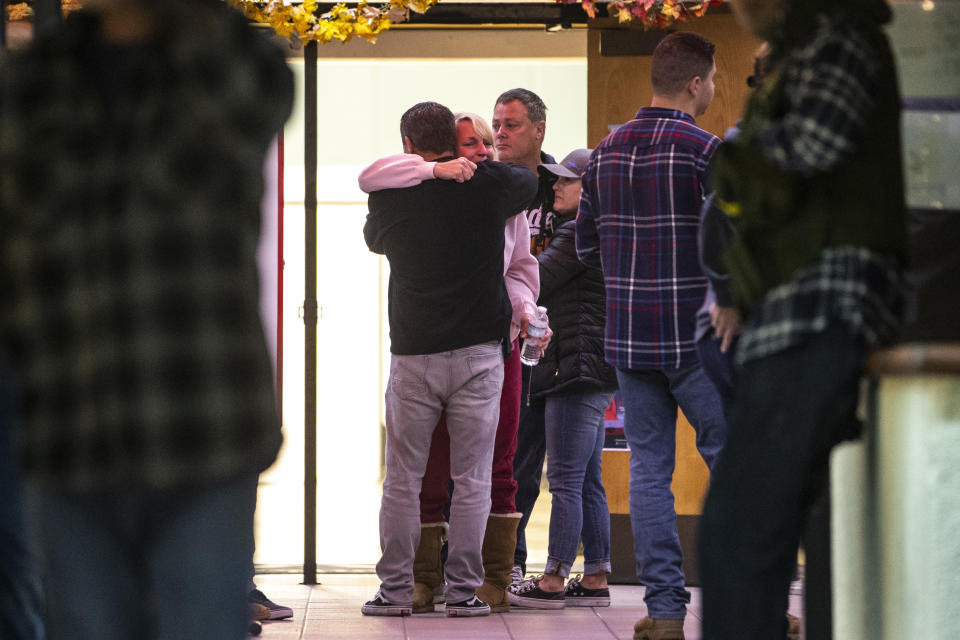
[658, 629]
[427, 572]
[499, 543]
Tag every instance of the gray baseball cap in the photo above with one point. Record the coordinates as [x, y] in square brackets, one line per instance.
[572, 166]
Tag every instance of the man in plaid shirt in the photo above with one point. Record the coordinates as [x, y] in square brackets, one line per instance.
[638, 219]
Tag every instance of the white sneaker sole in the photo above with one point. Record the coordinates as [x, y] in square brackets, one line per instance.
[392, 610]
[535, 603]
[467, 612]
[587, 602]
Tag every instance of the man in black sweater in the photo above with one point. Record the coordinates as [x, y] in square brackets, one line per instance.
[449, 321]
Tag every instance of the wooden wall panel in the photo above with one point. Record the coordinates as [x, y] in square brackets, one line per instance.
[617, 86]
[615, 464]
[690, 477]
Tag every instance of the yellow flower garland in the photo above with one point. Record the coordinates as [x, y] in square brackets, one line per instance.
[299, 22]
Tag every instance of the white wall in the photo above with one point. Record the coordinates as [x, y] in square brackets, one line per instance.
[360, 103]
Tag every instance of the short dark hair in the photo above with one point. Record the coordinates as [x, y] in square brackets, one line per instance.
[679, 58]
[536, 110]
[430, 127]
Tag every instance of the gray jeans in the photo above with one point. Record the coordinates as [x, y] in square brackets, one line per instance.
[466, 383]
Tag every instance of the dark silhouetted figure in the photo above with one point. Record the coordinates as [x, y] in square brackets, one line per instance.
[132, 142]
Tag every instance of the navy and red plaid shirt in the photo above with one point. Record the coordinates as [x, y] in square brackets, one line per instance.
[638, 219]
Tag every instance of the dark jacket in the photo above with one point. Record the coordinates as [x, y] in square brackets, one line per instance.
[715, 235]
[786, 216]
[573, 294]
[444, 241]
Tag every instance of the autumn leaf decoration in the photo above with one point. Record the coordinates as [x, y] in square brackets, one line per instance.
[23, 11]
[652, 14]
[19, 11]
[301, 24]
[299, 21]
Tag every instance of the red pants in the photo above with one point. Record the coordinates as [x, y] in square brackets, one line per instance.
[434, 490]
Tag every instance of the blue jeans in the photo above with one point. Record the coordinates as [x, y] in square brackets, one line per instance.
[575, 431]
[158, 565]
[650, 401]
[528, 462]
[19, 572]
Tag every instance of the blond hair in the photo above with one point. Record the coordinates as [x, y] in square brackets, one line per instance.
[479, 125]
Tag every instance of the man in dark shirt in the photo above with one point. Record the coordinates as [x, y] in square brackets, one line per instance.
[449, 318]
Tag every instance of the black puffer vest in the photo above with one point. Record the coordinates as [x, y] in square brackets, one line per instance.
[574, 297]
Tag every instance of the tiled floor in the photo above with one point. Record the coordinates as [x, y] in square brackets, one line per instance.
[331, 610]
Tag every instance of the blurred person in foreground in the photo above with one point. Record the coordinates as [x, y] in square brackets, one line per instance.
[20, 594]
[815, 188]
[132, 142]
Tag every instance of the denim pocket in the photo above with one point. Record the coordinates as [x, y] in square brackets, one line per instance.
[408, 377]
[486, 369]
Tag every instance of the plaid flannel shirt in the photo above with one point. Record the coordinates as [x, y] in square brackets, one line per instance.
[828, 84]
[638, 220]
[852, 285]
[128, 249]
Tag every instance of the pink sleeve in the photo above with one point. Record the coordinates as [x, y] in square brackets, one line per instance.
[521, 271]
[395, 172]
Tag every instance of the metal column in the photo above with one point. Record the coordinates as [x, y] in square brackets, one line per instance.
[310, 316]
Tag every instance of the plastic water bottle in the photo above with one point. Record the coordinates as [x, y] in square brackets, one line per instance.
[530, 353]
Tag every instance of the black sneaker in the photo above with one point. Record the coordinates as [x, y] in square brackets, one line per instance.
[277, 611]
[470, 608]
[578, 595]
[380, 607]
[529, 594]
